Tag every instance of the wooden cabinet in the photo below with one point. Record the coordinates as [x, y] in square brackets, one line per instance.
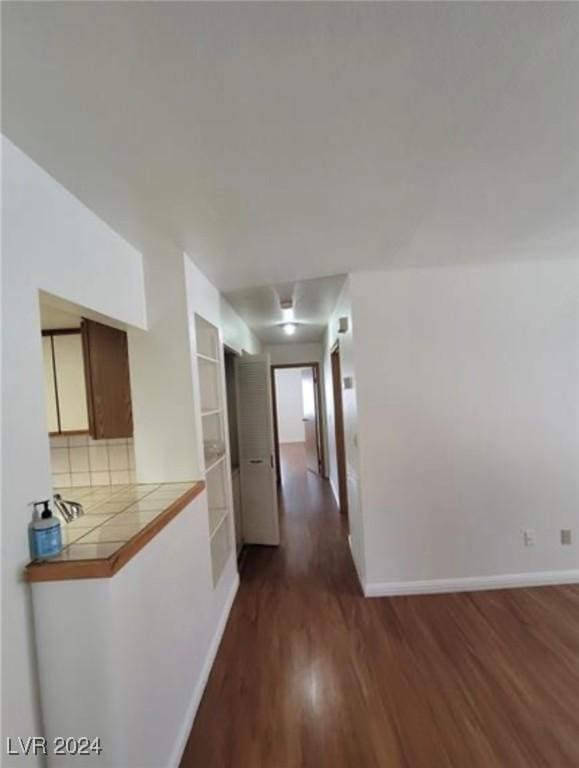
[108, 381]
[87, 381]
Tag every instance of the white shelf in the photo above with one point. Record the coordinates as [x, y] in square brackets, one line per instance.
[211, 412]
[214, 461]
[221, 513]
[220, 544]
[208, 359]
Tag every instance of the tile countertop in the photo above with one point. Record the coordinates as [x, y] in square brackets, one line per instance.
[118, 521]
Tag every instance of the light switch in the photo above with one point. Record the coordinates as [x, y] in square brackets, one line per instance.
[529, 537]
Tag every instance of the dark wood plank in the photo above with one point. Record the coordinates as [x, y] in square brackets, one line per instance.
[311, 674]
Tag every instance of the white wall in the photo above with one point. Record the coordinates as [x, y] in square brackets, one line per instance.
[236, 333]
[290, 405]
[289, 354]
[161, 378]
[51, 242]
[348, 342]
[204, 299]
[467, 381]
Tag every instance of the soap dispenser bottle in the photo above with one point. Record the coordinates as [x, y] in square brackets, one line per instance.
[44, 534]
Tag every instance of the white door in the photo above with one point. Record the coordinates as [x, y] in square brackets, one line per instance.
[256, 457]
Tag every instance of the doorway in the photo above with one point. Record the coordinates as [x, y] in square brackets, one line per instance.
[297, 410]
[339, 427]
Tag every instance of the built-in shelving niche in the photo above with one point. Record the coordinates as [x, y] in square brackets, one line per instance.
[214, 441]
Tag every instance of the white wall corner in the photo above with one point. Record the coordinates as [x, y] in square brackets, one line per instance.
[471, 583]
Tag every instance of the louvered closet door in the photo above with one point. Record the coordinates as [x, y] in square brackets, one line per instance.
[255, 423]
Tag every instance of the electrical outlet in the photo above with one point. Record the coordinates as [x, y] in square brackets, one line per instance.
[529, 537]
[566, 536]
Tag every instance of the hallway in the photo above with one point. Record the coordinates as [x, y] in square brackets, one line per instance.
[309, 673]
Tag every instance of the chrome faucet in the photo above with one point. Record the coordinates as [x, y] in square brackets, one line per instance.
[70, 510]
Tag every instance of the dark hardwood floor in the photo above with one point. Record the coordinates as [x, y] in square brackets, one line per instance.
[309, 673]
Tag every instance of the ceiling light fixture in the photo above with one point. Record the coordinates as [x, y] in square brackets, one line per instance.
[287, 310]
[289, 329]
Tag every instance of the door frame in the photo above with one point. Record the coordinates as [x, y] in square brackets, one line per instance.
[234, 354]
[336, 370]
[319, 424]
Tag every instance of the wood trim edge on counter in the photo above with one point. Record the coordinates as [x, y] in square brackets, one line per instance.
[104, 568]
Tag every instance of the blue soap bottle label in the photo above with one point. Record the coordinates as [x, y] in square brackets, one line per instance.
[49, 541]
[44, 534]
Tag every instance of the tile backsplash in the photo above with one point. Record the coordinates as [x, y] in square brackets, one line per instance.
[78, 460]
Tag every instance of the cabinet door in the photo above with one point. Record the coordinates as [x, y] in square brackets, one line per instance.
[106, 358]
[49, 385]
[70, 382]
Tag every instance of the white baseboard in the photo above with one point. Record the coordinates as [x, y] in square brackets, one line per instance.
[185, 730]
[291, 442]
[471, 583]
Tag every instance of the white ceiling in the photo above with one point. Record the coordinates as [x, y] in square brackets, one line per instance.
[313, 302]
[278, 142]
